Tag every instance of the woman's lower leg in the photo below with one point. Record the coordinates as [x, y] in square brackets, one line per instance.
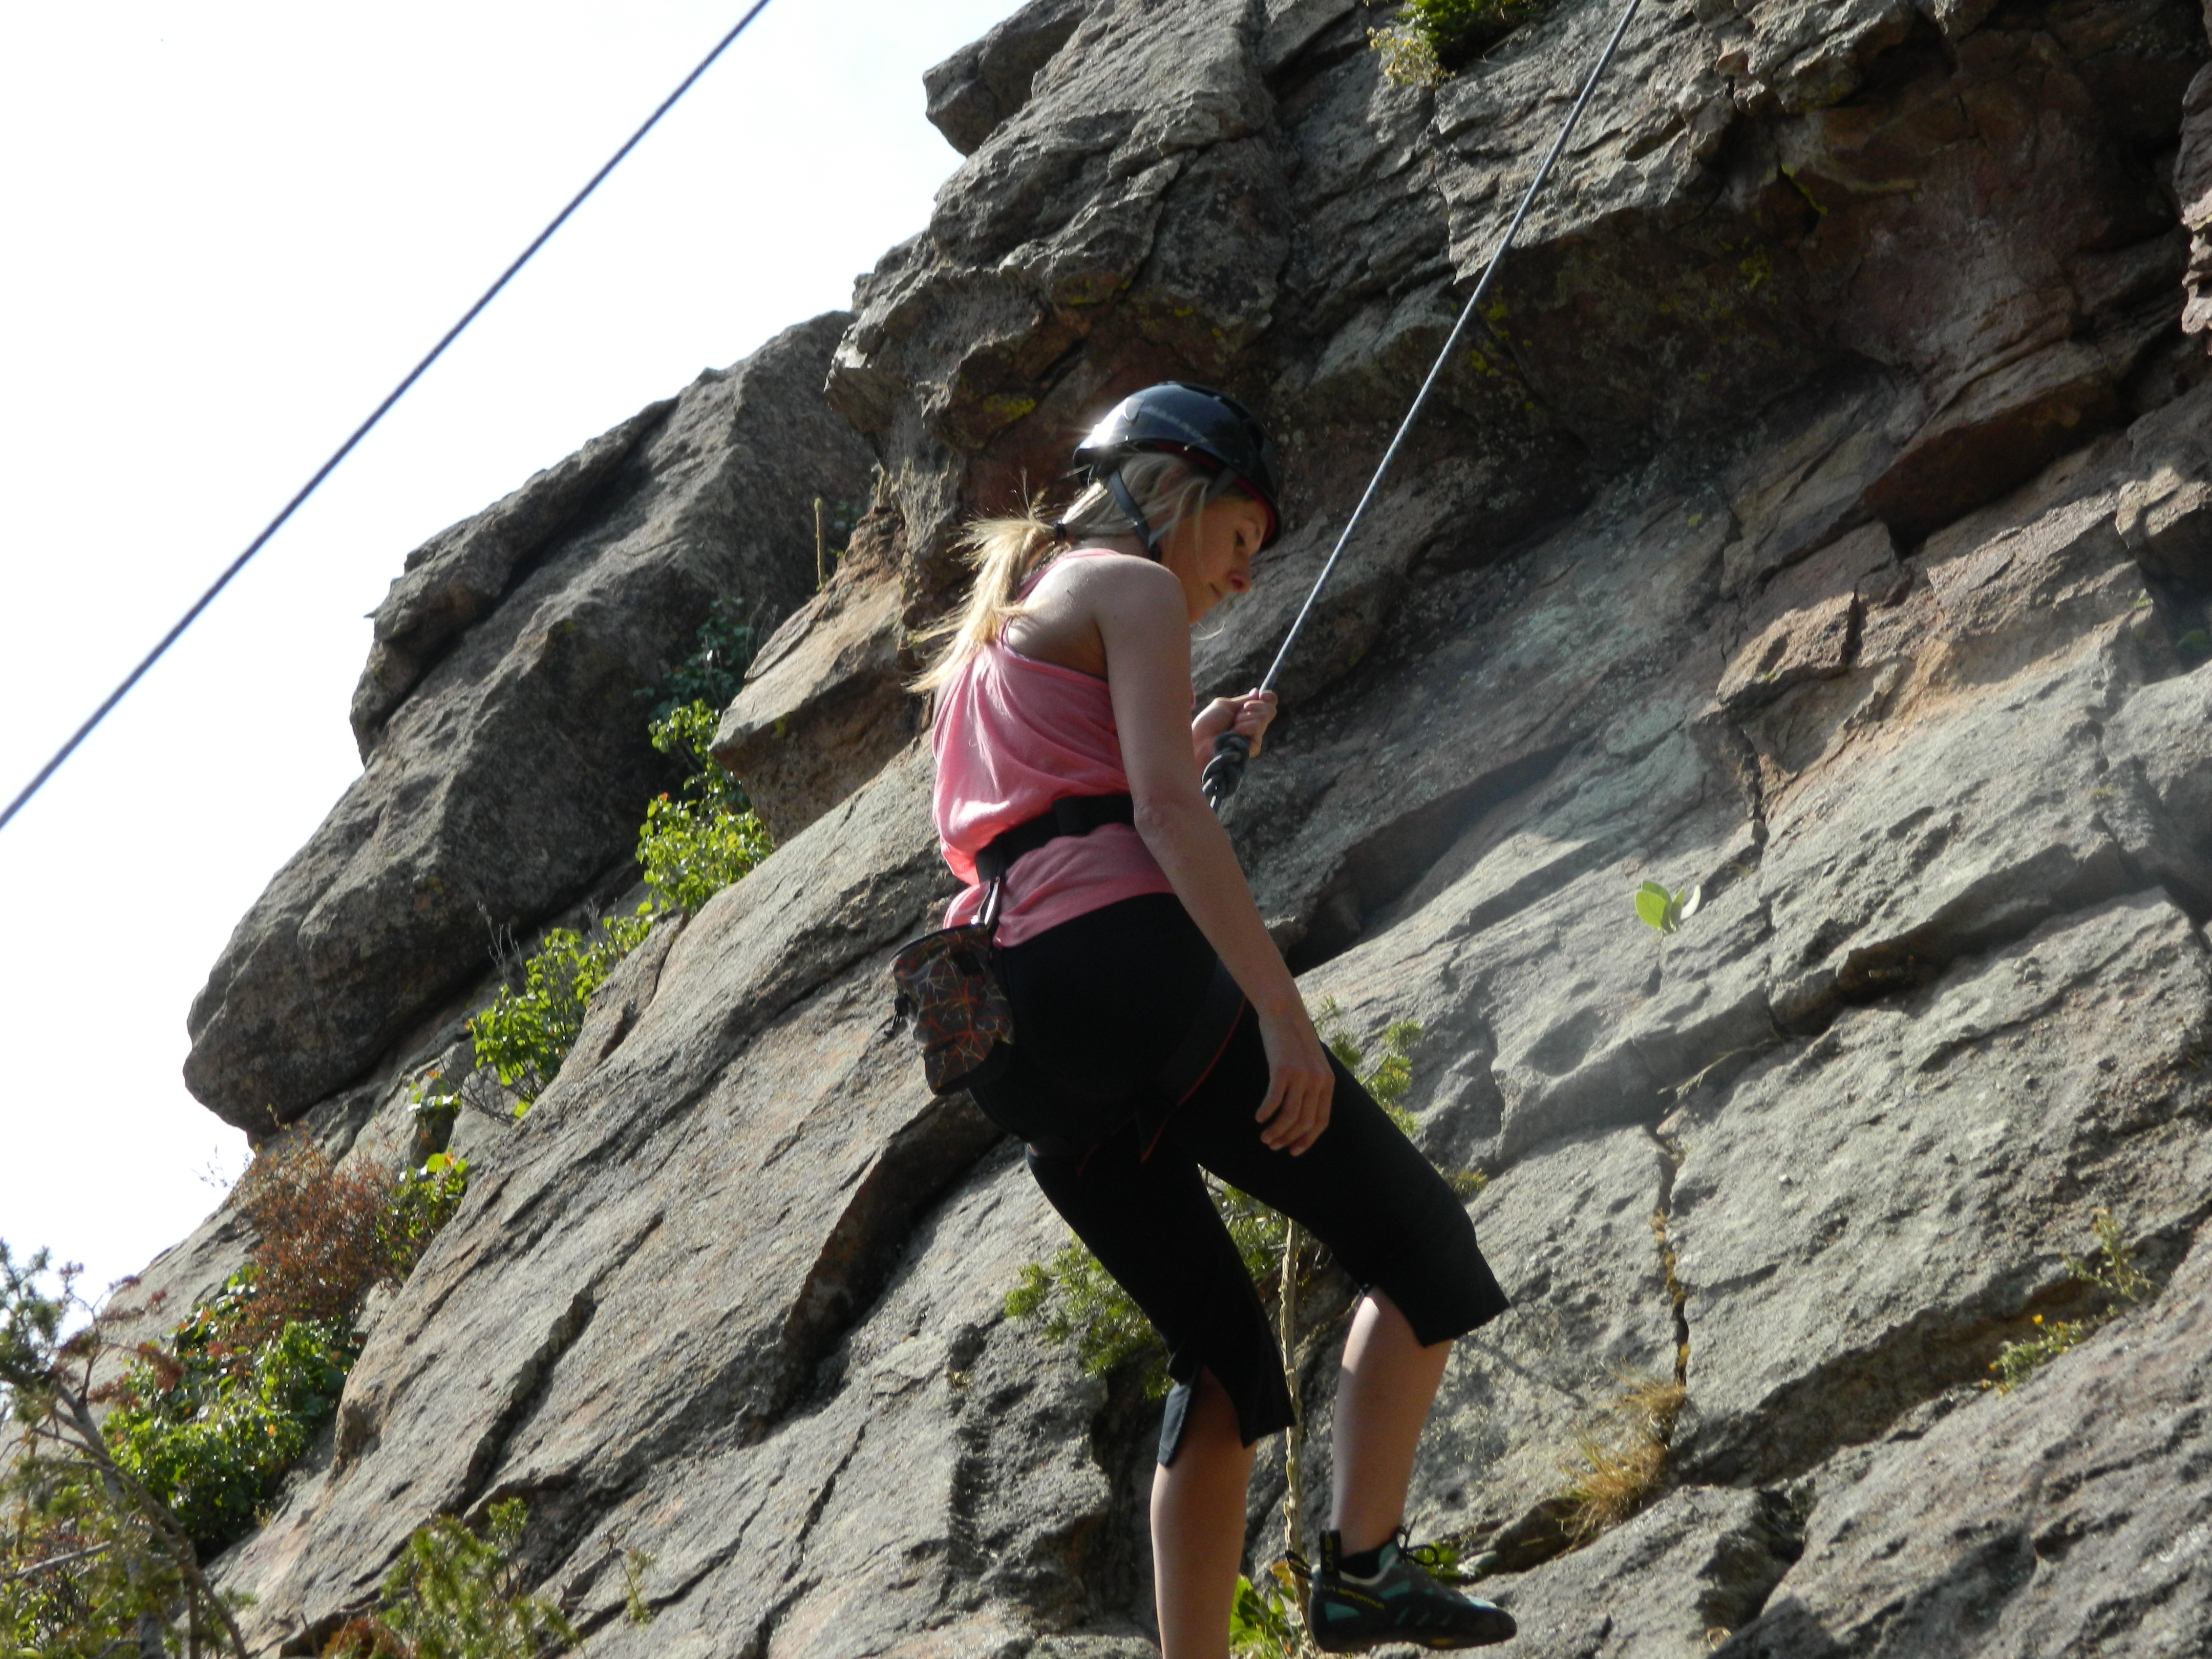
[1198, 1527]
[1382, 1399]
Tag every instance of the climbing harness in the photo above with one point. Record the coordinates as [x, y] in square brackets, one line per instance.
[361, 431]
[1232, 750]
[951, 998]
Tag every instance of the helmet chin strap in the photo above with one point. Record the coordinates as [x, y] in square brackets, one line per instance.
[1127, 503]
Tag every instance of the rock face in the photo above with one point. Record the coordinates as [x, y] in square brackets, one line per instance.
[1818, 527]
[501, 720]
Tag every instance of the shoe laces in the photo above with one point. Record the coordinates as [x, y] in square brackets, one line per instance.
[1438, 1557]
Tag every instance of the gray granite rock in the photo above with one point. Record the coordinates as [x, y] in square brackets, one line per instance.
[824, 703]
[1867, 1215]
[974, 91]
[516, 770]
[2069, 1517]
[1672, 1584]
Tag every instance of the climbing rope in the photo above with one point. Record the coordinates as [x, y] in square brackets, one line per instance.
[364, 429]
[1230, 751]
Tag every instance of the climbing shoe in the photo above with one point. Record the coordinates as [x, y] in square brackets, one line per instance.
[1394, 1600]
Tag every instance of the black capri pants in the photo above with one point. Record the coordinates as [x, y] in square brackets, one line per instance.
[1100, 1002]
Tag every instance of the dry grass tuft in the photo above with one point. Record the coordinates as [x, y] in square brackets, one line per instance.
[1623, 1469]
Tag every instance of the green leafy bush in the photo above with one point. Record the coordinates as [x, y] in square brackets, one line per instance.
[455, 1595]
[201, 1429]
[90, 1564]
[525, 1035]
[422, 1201]
[1432, 40]
[725, 645]
[211, 1438]
[691, 850]
[699, 840]
[210, 1422]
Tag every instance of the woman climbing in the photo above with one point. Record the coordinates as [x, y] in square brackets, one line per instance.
[1157, 1030]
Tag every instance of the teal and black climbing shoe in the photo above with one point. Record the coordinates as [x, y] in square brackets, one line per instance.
[1384, 1595]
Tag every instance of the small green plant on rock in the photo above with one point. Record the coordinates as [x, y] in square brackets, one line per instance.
[455, 1595]
[1267, 1620]
[1431, 40]
[1665, 911]
[2111, 1269]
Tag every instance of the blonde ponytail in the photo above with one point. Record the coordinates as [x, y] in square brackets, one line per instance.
[1005, 553]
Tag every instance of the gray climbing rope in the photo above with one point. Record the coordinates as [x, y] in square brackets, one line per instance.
[1230, 751]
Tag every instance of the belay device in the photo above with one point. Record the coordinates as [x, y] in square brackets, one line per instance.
[1226, 770]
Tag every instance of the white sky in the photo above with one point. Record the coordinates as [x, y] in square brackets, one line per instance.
[226, 230]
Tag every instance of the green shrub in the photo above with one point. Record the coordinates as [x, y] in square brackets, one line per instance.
[691, 850]
[212, 1441]
[1432, 40]
[725, 645]
[455, 1595]
[525, 1034]
[90, 1563]
[422, 1201]
[200, 1431]
[210, 1423]
[699, 840]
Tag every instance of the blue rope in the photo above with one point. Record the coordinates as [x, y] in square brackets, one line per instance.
[364, 429]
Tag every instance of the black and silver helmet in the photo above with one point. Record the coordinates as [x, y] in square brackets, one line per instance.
[1210, 428]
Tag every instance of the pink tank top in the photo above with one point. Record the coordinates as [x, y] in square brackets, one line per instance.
[1013, 735]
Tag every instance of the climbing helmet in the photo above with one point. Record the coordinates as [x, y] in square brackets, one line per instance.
[1209, 428]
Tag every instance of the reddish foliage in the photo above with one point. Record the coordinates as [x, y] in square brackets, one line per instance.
[367, 1638]
[321, 1241]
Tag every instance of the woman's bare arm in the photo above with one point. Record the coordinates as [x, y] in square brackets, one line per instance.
[1139, 611]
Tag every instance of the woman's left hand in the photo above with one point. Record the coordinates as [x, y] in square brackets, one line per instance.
[1248, 716]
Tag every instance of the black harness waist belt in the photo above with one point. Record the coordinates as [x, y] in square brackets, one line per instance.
[1224, 1000]
[1071, 815]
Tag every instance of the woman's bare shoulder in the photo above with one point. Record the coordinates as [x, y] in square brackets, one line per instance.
[1089, 578]
[1080, 600]
[1090, 566]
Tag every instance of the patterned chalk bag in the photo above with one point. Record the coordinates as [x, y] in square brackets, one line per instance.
[950, 996]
